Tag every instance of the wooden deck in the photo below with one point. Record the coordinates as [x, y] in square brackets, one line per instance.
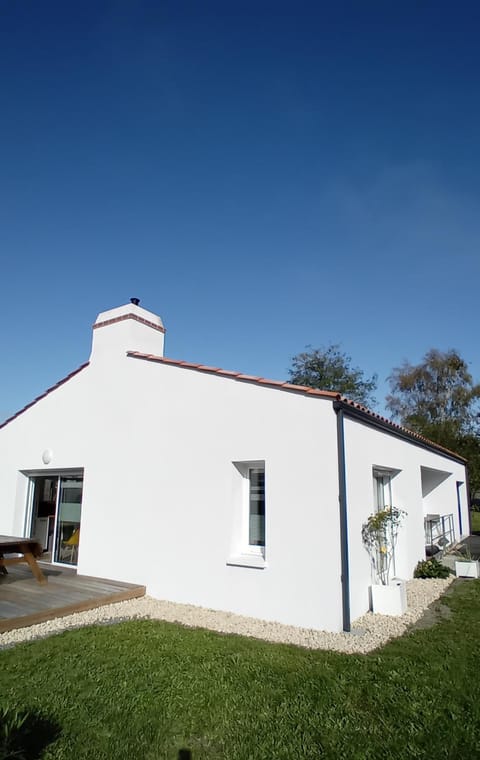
[25, 602]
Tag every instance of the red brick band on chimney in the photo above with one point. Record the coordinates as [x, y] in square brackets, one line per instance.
[129, 316]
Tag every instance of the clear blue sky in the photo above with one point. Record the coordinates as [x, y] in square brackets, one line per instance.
[263, 175]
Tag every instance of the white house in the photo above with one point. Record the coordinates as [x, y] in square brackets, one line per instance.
[215, 488]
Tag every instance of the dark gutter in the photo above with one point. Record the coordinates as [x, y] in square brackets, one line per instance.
[342, 499]
[469, 503]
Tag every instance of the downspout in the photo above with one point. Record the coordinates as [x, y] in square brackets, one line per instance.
[342, 499]
[469, 503]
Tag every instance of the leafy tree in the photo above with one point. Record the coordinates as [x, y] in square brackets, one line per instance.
[438, 391]
[439, 399]
[468, 446]
[330, 369]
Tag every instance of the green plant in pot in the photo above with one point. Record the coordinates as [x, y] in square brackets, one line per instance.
[379, 535]
[466, 566]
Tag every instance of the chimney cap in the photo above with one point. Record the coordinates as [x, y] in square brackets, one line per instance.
[135, 301]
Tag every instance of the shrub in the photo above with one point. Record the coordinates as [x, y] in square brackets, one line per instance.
[431, 568]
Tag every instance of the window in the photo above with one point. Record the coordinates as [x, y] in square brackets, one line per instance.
[248, 512]
[256, 517]
[382, 485]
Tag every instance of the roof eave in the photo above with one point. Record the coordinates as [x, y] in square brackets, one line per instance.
[43, 395]
[239, 376]
[357, 411]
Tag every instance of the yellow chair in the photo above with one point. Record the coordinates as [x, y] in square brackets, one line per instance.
[70, 547]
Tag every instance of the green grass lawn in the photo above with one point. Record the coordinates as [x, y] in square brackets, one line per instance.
[147, 690]
[475, 521]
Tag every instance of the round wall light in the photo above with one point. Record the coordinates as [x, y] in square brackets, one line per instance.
[47, 456]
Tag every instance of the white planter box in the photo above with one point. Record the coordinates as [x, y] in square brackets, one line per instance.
[389, 600]
[466, 568]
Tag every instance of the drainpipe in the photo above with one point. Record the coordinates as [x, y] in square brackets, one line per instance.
[469, 503]
[342, 498]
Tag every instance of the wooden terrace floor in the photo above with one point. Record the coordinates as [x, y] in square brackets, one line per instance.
[24, 601]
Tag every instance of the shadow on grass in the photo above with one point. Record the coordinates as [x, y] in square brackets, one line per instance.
[25, 735]
[184, 754]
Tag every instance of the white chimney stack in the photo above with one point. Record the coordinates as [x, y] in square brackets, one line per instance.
[127, 328]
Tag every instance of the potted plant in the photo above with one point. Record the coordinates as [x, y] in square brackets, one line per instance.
[465, 565]
[379, 535]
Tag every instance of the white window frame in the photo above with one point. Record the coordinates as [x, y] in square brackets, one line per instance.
[58, 474]
[382, 481]
[243, 553]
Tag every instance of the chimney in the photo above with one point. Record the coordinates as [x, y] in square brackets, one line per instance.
[127, 328]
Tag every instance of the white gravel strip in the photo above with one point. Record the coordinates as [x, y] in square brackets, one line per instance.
[369, 632]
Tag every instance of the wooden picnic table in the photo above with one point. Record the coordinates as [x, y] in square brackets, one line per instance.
[29, 548]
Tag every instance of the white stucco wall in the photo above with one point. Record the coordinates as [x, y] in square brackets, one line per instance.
[61, 422]
[160, 506]
[157, 443]
[367, 448]
[176, 499]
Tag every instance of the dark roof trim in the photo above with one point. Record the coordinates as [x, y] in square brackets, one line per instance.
[362, 414]
[47, 392]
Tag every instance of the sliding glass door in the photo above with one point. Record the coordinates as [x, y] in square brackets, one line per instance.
[67, 534]
[54, 513]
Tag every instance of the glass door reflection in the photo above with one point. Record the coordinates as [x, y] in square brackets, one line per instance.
[68, 520]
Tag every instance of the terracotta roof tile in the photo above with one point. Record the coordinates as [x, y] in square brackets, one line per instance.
[276, 384]
[294, 387]
[304, 389]
[254, 378]
[396, 426]
[318, 392]
[235, 375]
[266, 381]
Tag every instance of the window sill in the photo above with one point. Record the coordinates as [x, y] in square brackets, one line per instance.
[248, 560]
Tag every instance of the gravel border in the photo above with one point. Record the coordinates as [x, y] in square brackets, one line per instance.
[369, 632]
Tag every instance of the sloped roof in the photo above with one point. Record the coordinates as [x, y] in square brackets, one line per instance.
[348, 404]
[235, 375]
[395, 426]
[42, 395]
[303, 389]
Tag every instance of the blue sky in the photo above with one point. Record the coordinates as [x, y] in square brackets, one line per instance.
[263, 175]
